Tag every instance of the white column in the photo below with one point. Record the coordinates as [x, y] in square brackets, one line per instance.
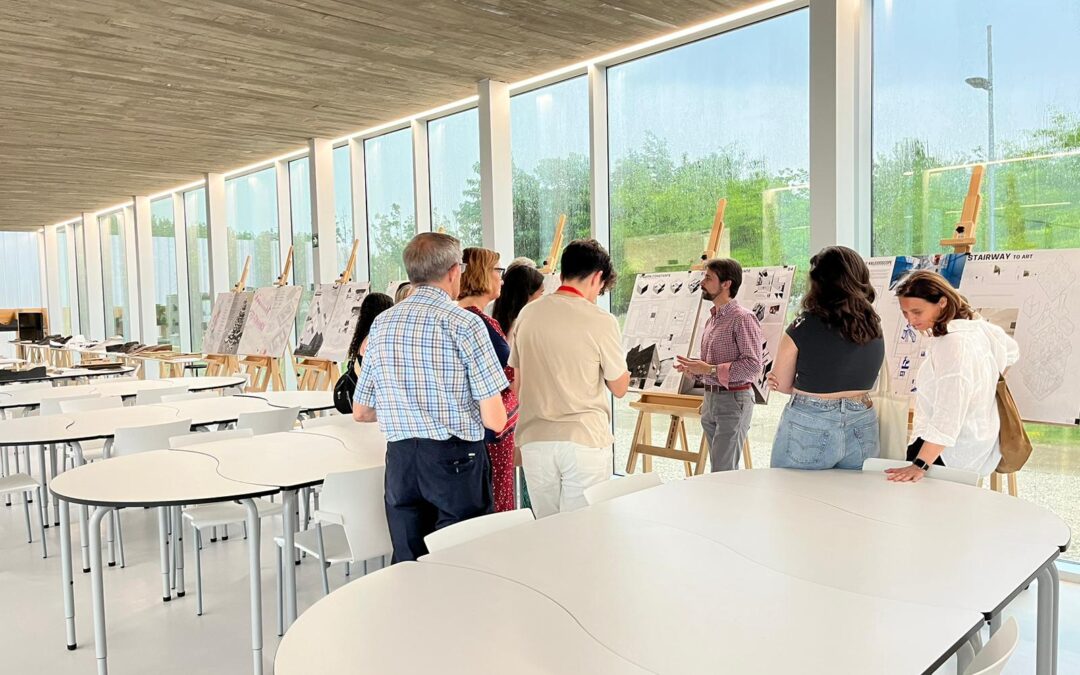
[421, 175]
[183, 289]
[358, 172]
[95, 291]
[131, 264]
[284, 210]
[218, 234]
[50, 278]
[496, 178]
[143, 272]
[840, 124]
[73, 279]
[599, 193]
[323, 228]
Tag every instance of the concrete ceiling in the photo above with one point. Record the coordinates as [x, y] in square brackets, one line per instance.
[103, 99]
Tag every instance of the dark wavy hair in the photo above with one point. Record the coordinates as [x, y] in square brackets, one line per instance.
[932, 287]
[372, 306]
[519, 284]
[841, 296]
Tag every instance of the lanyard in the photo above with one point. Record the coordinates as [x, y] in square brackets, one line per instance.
[570, 289]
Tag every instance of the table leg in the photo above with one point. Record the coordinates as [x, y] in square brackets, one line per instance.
[163, 550]
[65, 572]
[255, 577]
[288, 526]
[1044, 655]
[44, 482]
[178, 535]
[97, 592]
[84, 537]
[52, 464]
[1054, 628]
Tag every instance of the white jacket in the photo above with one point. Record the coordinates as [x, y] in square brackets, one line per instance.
[955, 404]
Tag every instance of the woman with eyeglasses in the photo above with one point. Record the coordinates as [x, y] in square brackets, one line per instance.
[481, 283]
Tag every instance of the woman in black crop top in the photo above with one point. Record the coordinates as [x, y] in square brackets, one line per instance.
[829, 359]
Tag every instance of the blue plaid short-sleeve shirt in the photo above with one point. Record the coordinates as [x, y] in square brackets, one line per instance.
[428, 365]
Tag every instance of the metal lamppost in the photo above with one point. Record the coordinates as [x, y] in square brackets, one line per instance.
[987, 84]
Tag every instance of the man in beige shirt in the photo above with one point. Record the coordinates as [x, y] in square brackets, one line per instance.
[568, 359]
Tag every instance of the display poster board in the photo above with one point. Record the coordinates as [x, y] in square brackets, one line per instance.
[659, 326]
[227, 319]
[331, 321]
[270, 321]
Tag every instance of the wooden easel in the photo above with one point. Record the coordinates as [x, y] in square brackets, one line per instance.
[311, 370]
[678, 407]
[265, 371]
[227, 364]
[556, 245]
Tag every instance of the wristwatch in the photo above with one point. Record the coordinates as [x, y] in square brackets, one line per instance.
[712, 369]
[921, 464]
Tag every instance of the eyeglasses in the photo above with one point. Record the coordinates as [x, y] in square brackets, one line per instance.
[500, 270]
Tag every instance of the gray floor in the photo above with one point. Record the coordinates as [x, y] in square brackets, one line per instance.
[148, 636]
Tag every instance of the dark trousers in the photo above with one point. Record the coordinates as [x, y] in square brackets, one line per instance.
[431, 484]
[913, 452]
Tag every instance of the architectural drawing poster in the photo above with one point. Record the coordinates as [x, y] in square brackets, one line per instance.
[270, 321]
[659, 325]
[341, 324]
[226, 323]
[319, 310]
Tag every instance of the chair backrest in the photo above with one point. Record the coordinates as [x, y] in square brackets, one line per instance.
[75, 405]
[358, 497]
[331, 420]
[268, 421]
[878, 465]
[133, 440]
[992, 658]
[617, 487]
[188, 396]
[474, 528]
[24, 386]
[51, 405]
[151, 396]
[197, 437]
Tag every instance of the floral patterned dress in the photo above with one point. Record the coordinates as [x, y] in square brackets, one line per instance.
[501, 446]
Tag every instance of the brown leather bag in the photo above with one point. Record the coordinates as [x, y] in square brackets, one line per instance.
[1013, 438]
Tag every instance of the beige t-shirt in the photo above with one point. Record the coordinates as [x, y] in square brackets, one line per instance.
[563, 348]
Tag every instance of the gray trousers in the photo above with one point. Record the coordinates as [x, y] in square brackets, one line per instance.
[725, 419]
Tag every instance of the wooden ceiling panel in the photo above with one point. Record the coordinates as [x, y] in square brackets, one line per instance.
[102, 99]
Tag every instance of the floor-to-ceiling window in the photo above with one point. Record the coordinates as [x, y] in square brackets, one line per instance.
[959, 84]
[303, 262]
[63, 323]
[198, 254]
[343, 210]
[724, 117]
[252, 217]
[550, 151]
[454, 159]
[20, 271]
[391, 204]
[166, 279]
[111, 229]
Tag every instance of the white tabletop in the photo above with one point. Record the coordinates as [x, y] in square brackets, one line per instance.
[797, 522]
[675, 602]
[291, 459]
[73, 373]
[156, 478]
[307, 401]
[216, 409]
[417, 618]
[363, 438]
[125, 387]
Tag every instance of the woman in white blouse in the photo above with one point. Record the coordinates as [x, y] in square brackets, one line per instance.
[956, 418]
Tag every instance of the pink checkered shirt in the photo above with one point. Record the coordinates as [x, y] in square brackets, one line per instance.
[732, 342]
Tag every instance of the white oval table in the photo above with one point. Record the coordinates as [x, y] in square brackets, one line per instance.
[309, 402]
[75, 374]
[123, 387]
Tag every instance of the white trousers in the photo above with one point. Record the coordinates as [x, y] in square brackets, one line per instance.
[557, 473]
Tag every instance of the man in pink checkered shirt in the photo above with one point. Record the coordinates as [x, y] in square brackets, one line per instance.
[730, 360]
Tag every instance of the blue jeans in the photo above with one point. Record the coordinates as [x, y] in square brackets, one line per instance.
[819, 433]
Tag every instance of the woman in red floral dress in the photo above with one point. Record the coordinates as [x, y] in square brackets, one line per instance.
[480, 285]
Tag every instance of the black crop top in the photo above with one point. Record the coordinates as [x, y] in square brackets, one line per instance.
[828, 362]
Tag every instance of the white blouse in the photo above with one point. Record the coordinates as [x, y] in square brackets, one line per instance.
[955, 399]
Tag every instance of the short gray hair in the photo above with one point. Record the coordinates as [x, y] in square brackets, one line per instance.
[429, 256]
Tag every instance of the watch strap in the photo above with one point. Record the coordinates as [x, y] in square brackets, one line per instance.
[921, 464]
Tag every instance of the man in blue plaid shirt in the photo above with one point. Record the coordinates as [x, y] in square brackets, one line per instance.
[432, 380]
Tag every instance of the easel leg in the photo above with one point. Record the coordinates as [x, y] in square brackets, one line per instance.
[1012, 484]
[746, 454]
[631, 460]
[688, 466]
[646, 432]
[995, 481]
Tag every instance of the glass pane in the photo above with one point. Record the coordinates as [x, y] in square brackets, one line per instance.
[727, 116]
[303, 264]
[343, 215]
[166, 281]
[961, 84]
[454, 156]
[114, 274]
[550, 151]
[63, 280]
[80, 278]
[391, 203]
[251, 202]
[198, 254]
[20, 271]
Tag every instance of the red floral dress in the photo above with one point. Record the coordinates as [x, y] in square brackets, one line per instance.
[501, 446]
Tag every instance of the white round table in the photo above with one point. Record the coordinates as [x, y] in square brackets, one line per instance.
[309, 402]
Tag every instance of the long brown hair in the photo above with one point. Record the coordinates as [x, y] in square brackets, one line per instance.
[841, 295]
[932, 287]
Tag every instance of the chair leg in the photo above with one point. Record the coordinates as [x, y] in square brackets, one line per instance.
[348, 568]
[245, 529]
[41, 524]
[225, 537]
[26, 512]
[280, 593]
[120, 538]
[197, 545]
[322, 560]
